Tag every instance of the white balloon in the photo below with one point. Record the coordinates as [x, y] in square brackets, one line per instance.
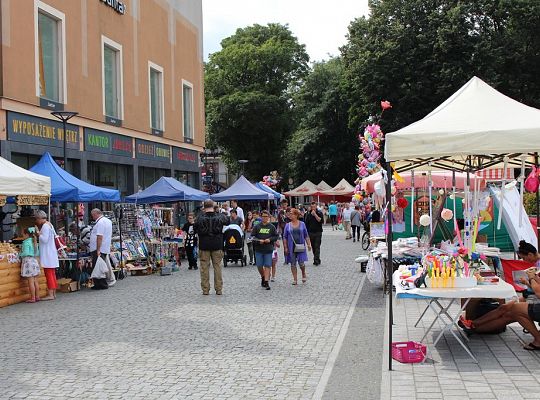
[452, 196]
[425, 220]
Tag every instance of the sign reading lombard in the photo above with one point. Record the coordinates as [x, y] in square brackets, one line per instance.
[29, 129]
[107, 143]
[147, 150]
[186, 159]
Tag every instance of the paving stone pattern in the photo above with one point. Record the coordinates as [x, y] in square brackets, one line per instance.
[159, 338]
[504, 371]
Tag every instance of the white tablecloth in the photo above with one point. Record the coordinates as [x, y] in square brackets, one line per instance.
[502, 290]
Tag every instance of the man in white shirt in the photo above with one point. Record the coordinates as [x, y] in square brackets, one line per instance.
[239, 211]
[347, 221]
[100, 237]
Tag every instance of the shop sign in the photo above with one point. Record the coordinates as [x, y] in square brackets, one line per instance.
[146, 150]
[29, 129]
[29, 200]
[107, 143]
[185, 159]
[116, 5]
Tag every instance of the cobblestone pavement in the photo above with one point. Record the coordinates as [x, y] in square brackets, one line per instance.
[159, 338]
[505, 371]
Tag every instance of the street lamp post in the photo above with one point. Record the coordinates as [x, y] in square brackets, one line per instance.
[243, 163]
[64, 116]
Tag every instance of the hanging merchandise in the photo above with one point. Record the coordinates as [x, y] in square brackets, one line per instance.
[532, 183]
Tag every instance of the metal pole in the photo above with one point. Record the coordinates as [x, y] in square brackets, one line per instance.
[389, 267]
[65, 141]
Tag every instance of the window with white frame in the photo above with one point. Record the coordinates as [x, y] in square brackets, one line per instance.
[50, 53]
[187, 109]
[112, 79]
[155, 76]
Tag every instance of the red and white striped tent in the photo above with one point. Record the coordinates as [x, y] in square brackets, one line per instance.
[496, 174]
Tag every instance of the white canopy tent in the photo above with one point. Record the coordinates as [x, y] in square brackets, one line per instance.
[475, 128]
[15, 181]
[477, 121]
[343, 188]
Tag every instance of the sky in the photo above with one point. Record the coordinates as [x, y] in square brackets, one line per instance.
[319, 24]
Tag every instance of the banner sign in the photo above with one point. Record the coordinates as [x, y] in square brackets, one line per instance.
[28, 200]
[146, 150]
[107, 143]
[29, 129]
[185, 159]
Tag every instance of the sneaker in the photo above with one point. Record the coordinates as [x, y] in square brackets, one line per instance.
[272, 279]
[218, 292]
[465, 323]
[267, 287]
[354, 240]
[190, 268]
[262, 282]
[205, 293]
[195, 267]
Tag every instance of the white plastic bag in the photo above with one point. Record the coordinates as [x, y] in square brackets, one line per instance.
[374, 271]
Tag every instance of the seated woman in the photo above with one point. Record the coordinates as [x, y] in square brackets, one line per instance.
[523, 313]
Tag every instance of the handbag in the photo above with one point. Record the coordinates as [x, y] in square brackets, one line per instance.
[297, 247]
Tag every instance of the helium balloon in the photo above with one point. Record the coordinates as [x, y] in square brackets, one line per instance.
[425, 220]
[447, 214]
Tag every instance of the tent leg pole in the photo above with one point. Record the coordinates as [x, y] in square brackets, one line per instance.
[389, 269]
[537, 207]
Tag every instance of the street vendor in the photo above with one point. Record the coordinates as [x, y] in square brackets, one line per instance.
[514, 311]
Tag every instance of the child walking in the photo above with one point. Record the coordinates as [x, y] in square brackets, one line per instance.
[29, 264]
[274, 261]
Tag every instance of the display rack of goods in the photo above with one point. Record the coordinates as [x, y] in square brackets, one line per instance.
[13, 287]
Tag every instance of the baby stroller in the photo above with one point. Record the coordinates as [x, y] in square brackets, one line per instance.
[234, 247]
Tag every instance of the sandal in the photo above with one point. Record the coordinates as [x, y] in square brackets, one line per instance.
[531, 347]
[304, 280]
[295, 283]
[30, 301]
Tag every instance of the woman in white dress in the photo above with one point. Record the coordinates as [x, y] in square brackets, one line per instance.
[48, 252]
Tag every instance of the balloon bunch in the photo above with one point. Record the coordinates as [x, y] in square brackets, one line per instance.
[271, 180]
[370, 145]
[368, 159]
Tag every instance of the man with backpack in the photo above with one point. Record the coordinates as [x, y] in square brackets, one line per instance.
[209, 228]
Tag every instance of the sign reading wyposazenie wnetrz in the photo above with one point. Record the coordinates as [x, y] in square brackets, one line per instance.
[29, 129]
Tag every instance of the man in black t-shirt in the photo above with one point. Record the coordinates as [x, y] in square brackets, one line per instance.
[209, 227]
[190, 241]
[314, 220]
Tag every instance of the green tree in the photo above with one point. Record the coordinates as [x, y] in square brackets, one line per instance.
[249, 86]
[323, 146]
[416, 53]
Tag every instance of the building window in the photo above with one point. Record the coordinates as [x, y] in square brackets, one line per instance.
[112, 78]
[155, 76]
[187, 109]
[50, 53]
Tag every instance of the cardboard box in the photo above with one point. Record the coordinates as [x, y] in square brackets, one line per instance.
[68, 286]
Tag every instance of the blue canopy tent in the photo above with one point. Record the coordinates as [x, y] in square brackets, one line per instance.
[67, 188]
[242, 189]
[167, 190]
[262, 186]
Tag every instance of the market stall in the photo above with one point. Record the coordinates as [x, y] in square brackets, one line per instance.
[341, 192]
[157, 240]
[26, 188]
[468, 132]
[66, 189]
[242, 189]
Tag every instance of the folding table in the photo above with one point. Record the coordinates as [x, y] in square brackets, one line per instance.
[435, 297]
